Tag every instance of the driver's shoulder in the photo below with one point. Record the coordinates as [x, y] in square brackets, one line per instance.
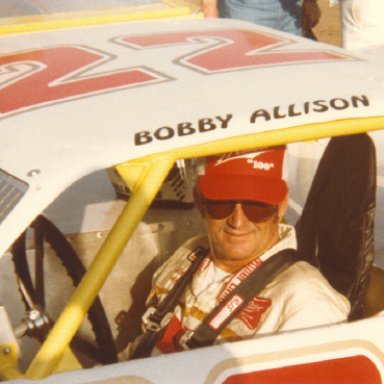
[302, 278]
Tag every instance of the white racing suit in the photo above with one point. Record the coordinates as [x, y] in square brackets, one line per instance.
[362, 23]
[300, 297]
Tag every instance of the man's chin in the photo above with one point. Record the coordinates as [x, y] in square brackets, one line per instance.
[239, 253]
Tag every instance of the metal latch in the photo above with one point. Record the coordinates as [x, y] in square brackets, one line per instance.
[153, 325]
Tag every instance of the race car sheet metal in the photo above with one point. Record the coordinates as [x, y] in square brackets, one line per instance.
[76, 100]
[25, 16]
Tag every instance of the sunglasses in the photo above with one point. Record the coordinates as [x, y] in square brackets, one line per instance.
[253, 210]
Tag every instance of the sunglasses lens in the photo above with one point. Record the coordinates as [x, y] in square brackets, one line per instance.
[218, 210]
[253, 210]
[258, 211]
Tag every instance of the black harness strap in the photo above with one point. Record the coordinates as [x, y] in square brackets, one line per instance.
[156, 318]
[224, 312]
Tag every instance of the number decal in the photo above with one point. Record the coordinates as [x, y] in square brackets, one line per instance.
[46, 76]
[38, 77]
[231, 49]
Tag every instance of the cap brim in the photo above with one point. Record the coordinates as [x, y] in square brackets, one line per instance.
[243, 187]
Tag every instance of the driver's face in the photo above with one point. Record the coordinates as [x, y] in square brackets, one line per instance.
[236, 240]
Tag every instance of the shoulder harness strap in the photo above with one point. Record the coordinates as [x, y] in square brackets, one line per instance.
[157, 317]
[207, 332]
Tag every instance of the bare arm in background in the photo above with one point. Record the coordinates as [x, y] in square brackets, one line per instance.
[210, 8]
[310, 14]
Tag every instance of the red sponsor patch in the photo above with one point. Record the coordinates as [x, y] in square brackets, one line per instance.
[169, 343]
[251, 314]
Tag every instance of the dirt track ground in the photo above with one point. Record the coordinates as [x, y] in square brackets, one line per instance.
[328, 29]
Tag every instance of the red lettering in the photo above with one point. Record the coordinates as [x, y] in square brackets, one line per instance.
[58, 73]
[50, 75]
[231, 49]
[350, 369]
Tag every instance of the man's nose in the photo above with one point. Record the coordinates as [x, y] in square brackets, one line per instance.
[237, 218]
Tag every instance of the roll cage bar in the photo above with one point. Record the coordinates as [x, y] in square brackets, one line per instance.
[144, 177]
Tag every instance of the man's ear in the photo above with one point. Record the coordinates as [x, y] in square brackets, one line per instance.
[197, 197]
[282, 208]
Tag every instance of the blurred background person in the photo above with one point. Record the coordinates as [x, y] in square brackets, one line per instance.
[293, 16]
[362, 23]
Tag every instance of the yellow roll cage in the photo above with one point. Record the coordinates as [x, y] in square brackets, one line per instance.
[144, 177]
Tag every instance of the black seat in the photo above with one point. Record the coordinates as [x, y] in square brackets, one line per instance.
[335, 231]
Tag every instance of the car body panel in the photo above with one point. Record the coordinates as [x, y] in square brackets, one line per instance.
[138, 71]
[327, 354]
[79, 100]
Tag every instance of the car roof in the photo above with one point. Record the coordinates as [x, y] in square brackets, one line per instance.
[81, 99]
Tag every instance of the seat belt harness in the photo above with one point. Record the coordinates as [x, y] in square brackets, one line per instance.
[207, 332]
[157, 317]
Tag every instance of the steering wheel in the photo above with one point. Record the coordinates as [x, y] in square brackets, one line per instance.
[33, 289]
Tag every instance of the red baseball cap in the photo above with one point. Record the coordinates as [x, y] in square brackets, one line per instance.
[253, 176]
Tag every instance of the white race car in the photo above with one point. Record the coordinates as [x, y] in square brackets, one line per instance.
[100, 128]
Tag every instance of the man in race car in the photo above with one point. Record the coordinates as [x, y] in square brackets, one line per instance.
[242, 198]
